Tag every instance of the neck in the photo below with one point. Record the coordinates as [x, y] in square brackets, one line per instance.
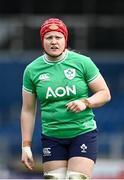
[56, 58]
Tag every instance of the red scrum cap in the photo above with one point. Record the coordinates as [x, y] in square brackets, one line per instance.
[54, 24]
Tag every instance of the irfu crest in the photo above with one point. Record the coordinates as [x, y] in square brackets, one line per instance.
[69, 73]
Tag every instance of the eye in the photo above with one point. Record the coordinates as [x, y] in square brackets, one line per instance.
[58, 37]
[49, 37]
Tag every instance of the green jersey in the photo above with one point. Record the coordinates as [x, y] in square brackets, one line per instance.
[58, 83]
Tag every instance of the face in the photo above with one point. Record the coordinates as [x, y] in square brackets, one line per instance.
[54, 43]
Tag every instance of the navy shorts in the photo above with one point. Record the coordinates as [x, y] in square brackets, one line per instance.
[84, 145]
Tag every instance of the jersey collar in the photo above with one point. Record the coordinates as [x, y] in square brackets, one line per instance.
[46, 60]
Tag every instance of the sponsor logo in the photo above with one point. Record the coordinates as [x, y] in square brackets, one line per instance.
[46, 151]
[60, 91]
[69, 73]
[44, 77]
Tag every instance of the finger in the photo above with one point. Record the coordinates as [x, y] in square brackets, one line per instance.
[28, 167]
[71, 106]
[76, 109]
[29, 163]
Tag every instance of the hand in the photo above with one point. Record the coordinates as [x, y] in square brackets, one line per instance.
[76, 106]
[27, 158]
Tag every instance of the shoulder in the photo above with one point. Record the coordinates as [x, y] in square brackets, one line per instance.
[35, 63]
[79, 58]
[78, 55]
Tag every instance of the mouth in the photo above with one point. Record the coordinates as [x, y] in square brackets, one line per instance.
[54, 48]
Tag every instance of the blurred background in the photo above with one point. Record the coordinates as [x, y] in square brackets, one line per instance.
[96, 29]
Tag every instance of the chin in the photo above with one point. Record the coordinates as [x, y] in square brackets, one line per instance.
[53, 54]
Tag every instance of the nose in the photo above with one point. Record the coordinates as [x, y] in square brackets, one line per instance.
[53, 40]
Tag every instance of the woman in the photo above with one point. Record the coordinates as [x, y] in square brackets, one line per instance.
[61, 79]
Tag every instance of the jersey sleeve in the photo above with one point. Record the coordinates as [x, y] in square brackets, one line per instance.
[91, 70]
[27, 82]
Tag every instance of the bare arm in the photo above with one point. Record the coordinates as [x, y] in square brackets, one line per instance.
[27, 127]
[28, 116]
[101, 93]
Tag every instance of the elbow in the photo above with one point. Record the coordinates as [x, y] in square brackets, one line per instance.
[108, 96]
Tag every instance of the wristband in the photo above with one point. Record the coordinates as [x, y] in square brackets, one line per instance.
[86, 102]
[27, 150]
